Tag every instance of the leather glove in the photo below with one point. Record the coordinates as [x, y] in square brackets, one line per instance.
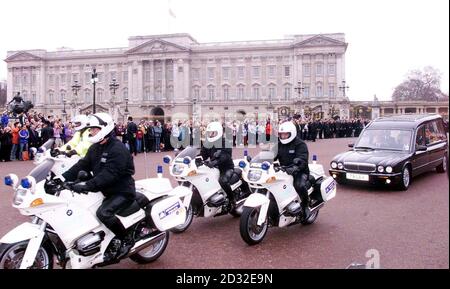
[198, 162]
[55, 152]
[71, 153]
[291, 170]
[82, 188]
[209, 164]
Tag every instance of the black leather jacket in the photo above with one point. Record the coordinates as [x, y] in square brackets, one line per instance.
[112, 167]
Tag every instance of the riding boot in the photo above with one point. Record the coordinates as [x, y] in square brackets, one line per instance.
[305, 207]
[127, 244]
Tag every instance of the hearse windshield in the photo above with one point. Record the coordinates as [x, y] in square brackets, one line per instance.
[385, 139]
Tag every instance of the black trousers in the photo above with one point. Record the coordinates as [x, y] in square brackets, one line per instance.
[301, 184]
[224, 181]
[107, 213]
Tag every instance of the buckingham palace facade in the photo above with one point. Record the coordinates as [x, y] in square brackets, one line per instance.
[172, 75]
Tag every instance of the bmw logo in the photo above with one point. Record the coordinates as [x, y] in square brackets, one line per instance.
[69, 213]
[284, 187]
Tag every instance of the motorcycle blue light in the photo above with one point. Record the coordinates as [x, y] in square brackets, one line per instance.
[159, 169]
[242, 164]
[186, 161]
[166, 160]
[40, 150]
[314, 158]
[8, 181]
[25, 183]
[265, 166]
[245, 153]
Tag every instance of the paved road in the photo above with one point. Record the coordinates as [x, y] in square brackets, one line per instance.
[409, 229]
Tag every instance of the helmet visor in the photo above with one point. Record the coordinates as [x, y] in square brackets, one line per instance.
[211, 134]
[284, 135]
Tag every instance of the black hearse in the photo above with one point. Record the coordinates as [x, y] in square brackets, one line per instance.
[392, 150]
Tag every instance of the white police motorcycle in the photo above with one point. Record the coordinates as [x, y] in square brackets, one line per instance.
[64, 223]
[274, 201]
[62, 161]
[208, 199]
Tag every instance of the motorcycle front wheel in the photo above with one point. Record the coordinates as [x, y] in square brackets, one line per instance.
[183, 227]
[251, 233]
[11, 256]
[152, 252]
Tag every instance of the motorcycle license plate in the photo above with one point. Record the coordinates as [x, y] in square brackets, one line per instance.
[357, 177]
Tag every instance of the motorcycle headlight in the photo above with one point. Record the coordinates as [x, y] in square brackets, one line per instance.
[18, 196]
[340, 166]
[254, 175]
[333, 165]
[177, 169]
[389, 169]
[380, 169]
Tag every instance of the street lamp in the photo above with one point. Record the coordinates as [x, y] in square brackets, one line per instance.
[343, 87]
[299, 89]
[113, 86]
[75, 88]
[64, 105]
[94, 80]
[126, 104]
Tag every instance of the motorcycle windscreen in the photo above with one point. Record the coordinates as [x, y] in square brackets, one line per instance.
[48, 144]
[190, 151]
[40, 172]
[264, 156]
[168, 213]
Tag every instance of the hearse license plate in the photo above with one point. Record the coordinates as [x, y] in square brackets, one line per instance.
[358, 177]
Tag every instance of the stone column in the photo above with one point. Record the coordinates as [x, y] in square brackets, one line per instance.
[9, 90]
[175, 79]
[152, 80]
[164, 81]
[185, 75]
[41, 79]
[140, 79]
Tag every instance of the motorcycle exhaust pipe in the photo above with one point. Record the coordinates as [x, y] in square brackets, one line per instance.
[142, 244]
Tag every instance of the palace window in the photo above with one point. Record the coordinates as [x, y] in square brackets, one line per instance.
[210, 73]
[241, 73]
[306, 70]
[225, 73]
[331, 69]
[287, 71]
[256, 72]
[319, 69]
[271, 71]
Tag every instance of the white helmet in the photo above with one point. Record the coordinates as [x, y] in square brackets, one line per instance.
[214, 131]
[103, 121]
[79, 122]
[287, 132]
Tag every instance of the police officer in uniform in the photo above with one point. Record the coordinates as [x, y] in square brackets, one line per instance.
[217, 152]
[291, 147]
[112, 167]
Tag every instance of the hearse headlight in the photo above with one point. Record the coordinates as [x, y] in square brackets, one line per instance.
[389, 169]
[340, 166]
[380, 169]
[334, 165]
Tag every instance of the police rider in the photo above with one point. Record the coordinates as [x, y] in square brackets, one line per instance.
[216, 151]
[79, 144]
[291, 147]
[112, 167]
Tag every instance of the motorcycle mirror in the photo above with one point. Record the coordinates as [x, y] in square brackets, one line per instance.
[69, 148]
[82, 175]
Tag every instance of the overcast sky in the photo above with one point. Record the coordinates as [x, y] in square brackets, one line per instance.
[387, 38]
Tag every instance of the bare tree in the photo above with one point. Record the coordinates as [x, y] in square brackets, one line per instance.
[420, 85]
